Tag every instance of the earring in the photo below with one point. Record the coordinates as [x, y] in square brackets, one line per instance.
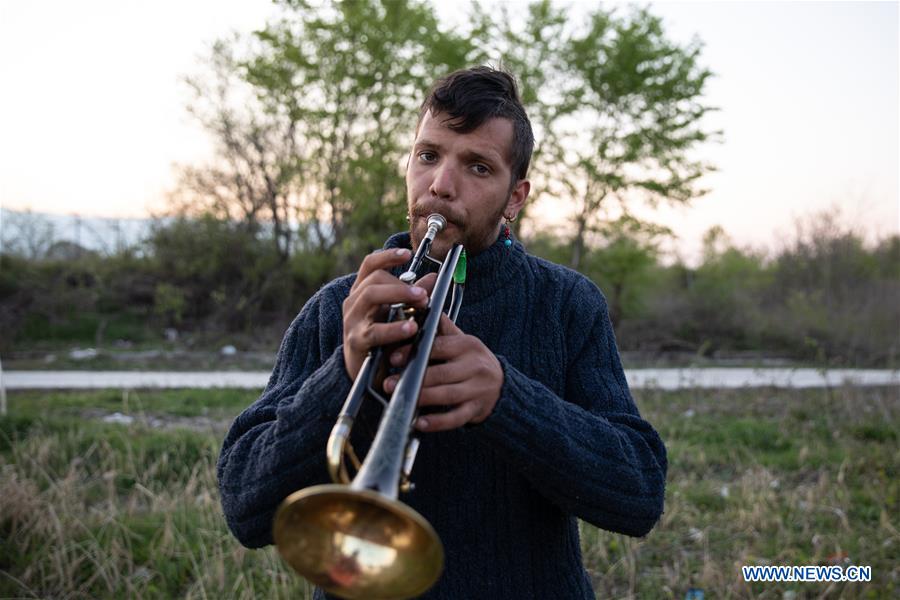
[506, 239]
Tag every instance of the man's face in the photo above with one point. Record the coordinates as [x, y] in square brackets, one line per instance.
[466, 178]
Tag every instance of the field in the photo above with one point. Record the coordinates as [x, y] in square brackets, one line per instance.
[90, 509]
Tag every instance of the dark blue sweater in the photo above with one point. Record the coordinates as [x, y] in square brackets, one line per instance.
[565, 439]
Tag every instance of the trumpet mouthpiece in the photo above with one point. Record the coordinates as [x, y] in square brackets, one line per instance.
[437, 221]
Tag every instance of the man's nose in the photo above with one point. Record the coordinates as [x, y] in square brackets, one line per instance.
[443, 185]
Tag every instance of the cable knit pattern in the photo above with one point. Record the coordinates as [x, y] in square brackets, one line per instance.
[565, 439]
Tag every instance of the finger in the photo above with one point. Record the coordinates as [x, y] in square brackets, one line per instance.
[439, 388]
[445, 395]
[441, 349]
[381, 334]
[445, 374]
[457, 417]
[400, 355]
[427, 282]
[371, 298]
[448, 327]
[418, 298]
[381, 259]
[450, 347]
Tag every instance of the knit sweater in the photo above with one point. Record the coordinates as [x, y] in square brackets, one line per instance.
[564, 442]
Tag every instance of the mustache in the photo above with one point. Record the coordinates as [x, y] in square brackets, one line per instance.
[425, 210]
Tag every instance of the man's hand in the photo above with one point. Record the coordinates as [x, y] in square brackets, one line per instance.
[365, 307]
[470, 380]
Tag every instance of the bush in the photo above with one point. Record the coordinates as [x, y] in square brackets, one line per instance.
[827, 296]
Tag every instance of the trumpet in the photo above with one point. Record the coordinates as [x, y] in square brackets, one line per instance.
[353, 537]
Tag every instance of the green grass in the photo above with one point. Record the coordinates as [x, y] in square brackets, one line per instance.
[82, 326]
[170, 357]
[765, 477]
[224, 403]
[94, 510]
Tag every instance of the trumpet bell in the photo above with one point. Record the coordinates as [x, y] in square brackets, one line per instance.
[358, 544]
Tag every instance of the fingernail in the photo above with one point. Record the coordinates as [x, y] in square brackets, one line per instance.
[401, 251]
[421, 423]
[417, 291]
[408, 327]
[389, 384]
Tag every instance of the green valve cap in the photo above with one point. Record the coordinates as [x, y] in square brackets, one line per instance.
[459, 275]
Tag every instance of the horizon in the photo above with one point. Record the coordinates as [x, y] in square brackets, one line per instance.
[810, 117]
[108, 235]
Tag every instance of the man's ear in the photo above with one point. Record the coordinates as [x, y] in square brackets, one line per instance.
[517, 197]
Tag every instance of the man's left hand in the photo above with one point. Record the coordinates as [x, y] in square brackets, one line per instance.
[469, 380]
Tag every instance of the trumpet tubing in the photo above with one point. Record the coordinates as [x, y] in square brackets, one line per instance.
[354, 538]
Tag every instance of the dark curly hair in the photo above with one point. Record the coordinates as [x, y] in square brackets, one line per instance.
[469, 97]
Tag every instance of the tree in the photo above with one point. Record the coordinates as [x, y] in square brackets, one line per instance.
[26, 234]
[622, 266]
[533, 50]
[253, 178]
[638, 117]
[351, 75]
[617, 108]
[333, 91]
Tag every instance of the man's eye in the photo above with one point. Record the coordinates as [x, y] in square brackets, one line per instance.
[480, 169]
[427, 157]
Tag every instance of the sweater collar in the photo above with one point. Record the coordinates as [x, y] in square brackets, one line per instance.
[486, 272]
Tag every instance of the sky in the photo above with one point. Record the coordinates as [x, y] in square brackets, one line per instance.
[92, 118]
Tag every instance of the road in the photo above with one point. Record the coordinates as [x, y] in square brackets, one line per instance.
[667, 379]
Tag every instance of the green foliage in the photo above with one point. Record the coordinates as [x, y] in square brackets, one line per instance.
[617, 104]
[214, 269]
[626, 265]
[828, 297]
[192, 273]
[334, 90]
[724, 296]
[625, 268]
[642, 99]
[13, 270]
[836, 294]
[89, 298]
[169, 302]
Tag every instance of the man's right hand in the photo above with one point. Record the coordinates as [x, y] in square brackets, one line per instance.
[364, 308]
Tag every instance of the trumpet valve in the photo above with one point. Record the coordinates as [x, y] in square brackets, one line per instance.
[409, 458]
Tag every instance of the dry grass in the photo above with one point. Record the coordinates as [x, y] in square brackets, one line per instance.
[92, 510]
[89, 510]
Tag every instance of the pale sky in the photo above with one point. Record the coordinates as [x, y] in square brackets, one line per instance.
[92, 113]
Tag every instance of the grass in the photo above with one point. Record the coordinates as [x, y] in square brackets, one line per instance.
[95, 510]
[151, 358]
[765, 477]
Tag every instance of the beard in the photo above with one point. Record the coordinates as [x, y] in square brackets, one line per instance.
[474, 236]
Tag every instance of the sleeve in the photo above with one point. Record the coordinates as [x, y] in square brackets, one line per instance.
[590, 453]
[277, 445]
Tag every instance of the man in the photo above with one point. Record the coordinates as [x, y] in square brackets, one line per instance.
[539, 426]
